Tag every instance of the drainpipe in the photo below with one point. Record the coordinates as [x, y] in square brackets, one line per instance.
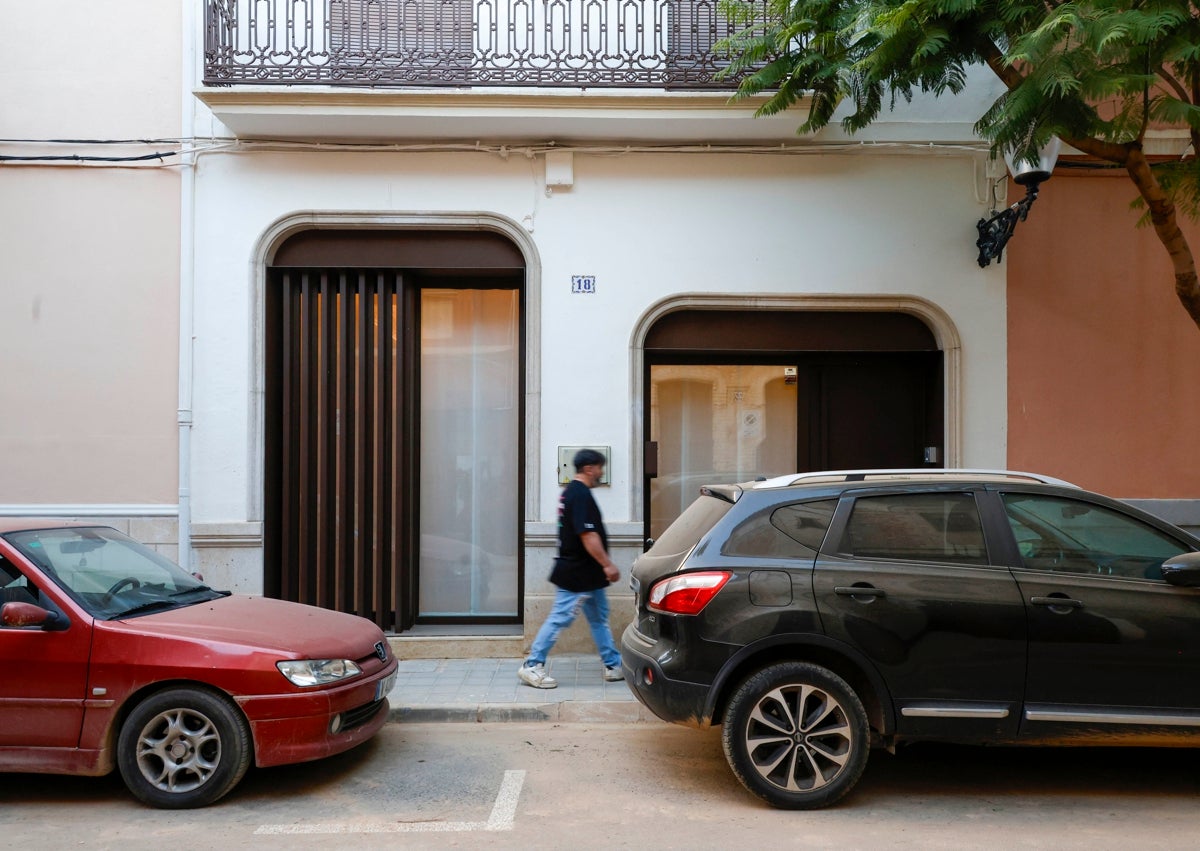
[187, 220]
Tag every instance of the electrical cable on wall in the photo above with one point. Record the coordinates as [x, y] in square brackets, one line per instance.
[169, 159]
[82, 158]
[173, 158]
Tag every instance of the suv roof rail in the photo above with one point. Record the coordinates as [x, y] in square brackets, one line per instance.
[906, 473]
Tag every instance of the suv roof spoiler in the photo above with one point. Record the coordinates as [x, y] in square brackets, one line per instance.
[913, 473]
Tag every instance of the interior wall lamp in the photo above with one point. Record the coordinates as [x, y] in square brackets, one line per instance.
[994, 233]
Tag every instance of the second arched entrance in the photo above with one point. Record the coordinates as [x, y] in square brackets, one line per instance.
[732, 395]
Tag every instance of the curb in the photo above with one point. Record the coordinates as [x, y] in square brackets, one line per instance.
[577, 711]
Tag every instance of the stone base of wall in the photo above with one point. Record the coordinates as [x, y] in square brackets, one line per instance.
[411, 645]
[577, 638]
[541, 544]
[1184, 513]
[229, 556]
[160, 533]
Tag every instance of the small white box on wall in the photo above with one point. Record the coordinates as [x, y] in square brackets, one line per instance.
[560, 170]
[566, 462]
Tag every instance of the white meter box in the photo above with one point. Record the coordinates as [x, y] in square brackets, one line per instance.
[566, 462]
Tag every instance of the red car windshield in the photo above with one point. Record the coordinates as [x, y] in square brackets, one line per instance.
[112, 576]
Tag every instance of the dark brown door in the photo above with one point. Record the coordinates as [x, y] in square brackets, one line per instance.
[869, 411]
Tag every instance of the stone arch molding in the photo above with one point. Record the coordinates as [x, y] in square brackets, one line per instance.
[279, 231]
[937, 320]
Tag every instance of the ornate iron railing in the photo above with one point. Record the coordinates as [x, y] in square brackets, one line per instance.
[574, 43]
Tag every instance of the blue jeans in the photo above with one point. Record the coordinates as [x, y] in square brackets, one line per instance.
[567, 606]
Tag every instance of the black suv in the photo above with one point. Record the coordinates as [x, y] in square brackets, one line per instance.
[820, 614]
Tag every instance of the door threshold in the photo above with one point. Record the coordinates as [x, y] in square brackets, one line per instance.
[464, 630]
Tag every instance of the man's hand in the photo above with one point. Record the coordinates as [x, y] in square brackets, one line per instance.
[591, 543]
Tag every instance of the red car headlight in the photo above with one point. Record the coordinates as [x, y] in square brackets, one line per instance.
[317, 672]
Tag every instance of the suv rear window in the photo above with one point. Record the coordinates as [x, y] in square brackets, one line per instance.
[790, 531]
[806, 522]
[689, 528]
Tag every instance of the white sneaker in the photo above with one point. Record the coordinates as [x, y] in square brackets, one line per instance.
[613, 674]
[536, 676]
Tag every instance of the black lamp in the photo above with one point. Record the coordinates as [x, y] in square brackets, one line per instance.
[994, 233]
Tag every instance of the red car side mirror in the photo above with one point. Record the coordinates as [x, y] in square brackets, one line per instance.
[27, 614]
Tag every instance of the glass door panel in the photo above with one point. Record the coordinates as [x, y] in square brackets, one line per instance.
[470, 367]
[717, 424]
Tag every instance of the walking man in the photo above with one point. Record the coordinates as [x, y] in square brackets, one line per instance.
[581, 573]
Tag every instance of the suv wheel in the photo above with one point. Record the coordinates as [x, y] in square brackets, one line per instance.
[796, 735]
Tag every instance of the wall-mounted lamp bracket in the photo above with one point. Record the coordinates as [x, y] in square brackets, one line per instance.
[994, 233]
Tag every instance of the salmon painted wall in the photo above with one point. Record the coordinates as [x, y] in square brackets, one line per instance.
[1104, 364]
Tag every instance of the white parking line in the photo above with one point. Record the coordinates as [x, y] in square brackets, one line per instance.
[504, 813]
[503, 817]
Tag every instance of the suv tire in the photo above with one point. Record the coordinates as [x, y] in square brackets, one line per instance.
[796, 735]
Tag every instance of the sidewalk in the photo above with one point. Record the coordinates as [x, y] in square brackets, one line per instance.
[487, 690]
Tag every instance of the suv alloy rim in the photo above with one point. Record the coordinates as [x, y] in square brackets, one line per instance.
[798, 737]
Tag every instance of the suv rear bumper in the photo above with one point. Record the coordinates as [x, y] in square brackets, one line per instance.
[677, 701]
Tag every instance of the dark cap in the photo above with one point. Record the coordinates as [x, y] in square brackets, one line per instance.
[584, 457]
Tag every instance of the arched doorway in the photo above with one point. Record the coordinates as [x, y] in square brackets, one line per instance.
[394, 387]
[732, 395]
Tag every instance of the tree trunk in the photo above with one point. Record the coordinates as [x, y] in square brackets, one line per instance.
[1163, 216]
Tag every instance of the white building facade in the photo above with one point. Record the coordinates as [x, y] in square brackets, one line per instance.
[400, 308]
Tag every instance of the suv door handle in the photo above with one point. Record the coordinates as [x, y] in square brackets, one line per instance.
[1061, 604]
[858, 591]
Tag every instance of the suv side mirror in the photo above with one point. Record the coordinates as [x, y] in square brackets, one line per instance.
[1182, 570]
[27, 614]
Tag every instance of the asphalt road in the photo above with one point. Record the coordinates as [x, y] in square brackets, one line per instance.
[647, 785]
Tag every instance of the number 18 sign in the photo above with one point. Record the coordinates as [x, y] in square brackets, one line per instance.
[585, 284]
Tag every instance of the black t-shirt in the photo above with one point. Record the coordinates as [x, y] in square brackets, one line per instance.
[575, 569]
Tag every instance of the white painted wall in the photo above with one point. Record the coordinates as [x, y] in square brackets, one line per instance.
[649, 227]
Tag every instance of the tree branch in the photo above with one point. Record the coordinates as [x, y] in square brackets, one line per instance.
[1173, 84]
[994, 58]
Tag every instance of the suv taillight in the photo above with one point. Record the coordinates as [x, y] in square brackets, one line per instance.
[686, 594]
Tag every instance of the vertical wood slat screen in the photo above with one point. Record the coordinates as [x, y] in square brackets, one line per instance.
[335, 510]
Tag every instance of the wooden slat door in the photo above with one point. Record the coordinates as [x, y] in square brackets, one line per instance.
[338, 384]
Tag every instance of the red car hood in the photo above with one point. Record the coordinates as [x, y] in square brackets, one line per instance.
[291, 629]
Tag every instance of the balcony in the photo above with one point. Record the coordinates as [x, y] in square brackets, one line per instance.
[402, 70]
[663, 44]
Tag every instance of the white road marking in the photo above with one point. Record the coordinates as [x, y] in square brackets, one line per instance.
[504, 813]
[503, 817]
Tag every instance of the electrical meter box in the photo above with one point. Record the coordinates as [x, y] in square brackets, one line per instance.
[566, 462]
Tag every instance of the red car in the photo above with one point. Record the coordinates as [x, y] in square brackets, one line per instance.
[113, 656]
